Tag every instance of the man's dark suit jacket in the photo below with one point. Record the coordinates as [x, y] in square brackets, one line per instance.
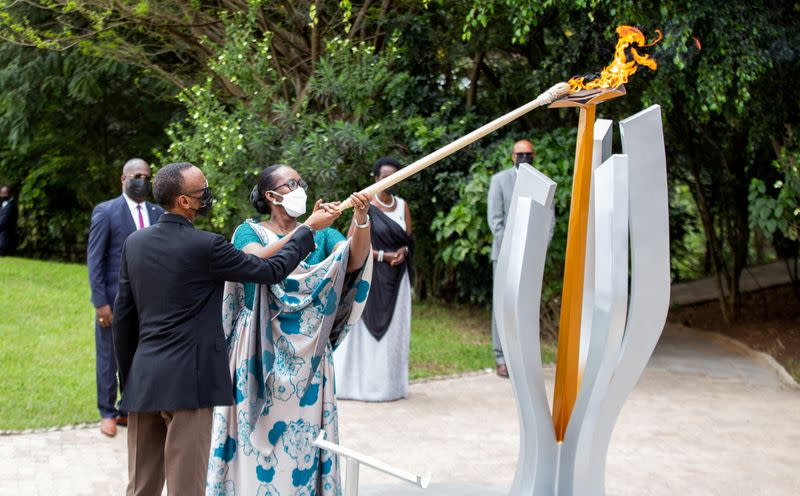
[167, 326]
[111, 224]
[8, 227]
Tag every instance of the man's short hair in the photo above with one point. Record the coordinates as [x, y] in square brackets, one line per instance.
[132, 161]
[168, 183]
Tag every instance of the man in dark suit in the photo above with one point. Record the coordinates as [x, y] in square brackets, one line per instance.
[168, 333]
[112, 222]
[9, 213]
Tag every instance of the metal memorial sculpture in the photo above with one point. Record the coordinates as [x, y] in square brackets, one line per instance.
[628, 214]
[607, 329]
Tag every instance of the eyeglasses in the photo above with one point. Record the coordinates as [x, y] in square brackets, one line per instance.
[293, 184]
[146, 177]
[190, 193]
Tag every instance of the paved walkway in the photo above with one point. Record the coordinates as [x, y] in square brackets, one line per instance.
[753, 279]
[707, 418]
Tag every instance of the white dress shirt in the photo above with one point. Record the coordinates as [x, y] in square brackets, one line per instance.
[132, 205]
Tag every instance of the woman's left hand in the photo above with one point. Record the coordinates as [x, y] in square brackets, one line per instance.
[399, 257]
[360, 206]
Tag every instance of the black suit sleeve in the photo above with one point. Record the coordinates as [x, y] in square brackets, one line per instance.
[229, 264]
[126, 322]
[7, 219]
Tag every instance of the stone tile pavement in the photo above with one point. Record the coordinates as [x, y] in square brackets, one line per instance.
[707, 418]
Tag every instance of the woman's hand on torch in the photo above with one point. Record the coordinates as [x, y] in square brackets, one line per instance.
[360, 205]
[360, 232]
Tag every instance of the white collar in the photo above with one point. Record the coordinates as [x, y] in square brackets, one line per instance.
[132, 204]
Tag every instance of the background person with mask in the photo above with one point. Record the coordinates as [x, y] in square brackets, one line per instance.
[112, 222]
[9, 214]
[372, 362]
[501, 190]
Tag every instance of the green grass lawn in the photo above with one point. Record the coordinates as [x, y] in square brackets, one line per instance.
[47, 343]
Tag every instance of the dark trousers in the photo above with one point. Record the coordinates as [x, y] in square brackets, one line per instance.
[172, 446]
[106, 372]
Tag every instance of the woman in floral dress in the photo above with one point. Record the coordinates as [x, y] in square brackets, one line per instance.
[280, 341]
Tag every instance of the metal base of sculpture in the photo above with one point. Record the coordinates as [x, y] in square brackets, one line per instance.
[628, 214]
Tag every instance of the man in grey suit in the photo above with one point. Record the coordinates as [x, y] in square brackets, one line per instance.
[501, 189]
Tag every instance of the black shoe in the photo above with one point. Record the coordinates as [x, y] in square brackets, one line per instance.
[502, 370]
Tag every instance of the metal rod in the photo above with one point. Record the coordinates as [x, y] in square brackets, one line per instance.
[418, 480]
[351, 483]
[557, 91]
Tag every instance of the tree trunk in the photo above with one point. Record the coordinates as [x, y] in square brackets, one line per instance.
[472, 92]
[715, 250]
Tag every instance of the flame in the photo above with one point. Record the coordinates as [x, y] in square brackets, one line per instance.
[621, 68]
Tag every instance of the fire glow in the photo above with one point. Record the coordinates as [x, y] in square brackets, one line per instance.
[620, 69]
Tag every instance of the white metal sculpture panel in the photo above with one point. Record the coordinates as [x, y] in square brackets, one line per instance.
[629, 202]
[601, 151]
[517, 294]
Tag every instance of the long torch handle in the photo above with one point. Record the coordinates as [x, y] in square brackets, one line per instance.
[555, 92]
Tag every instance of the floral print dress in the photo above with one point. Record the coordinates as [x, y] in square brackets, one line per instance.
[280, 352]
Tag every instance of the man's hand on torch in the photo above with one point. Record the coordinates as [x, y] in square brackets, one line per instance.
[322, 216]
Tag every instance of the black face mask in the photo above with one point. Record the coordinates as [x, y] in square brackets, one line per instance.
[523, 158]
[4, 198]
[206, 202]
[137, 189]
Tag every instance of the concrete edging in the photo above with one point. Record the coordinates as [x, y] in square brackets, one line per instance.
[760, 356]
[43, 430]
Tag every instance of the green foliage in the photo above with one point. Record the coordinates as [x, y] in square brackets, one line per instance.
[463, 231]
[328, 87]
[68, 123]
[331, 139]
[775, 211]
[722, 81]
[687, 241]
[779, 210]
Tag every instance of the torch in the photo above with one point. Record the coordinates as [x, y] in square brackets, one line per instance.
[556, 91]
[586, 96]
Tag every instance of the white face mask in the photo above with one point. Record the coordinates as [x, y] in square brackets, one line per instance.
[293, 202]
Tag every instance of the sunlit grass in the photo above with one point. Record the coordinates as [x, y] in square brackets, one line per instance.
[450, 340]
[46, 344]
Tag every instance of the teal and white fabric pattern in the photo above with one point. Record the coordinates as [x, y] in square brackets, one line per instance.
[282, 368]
